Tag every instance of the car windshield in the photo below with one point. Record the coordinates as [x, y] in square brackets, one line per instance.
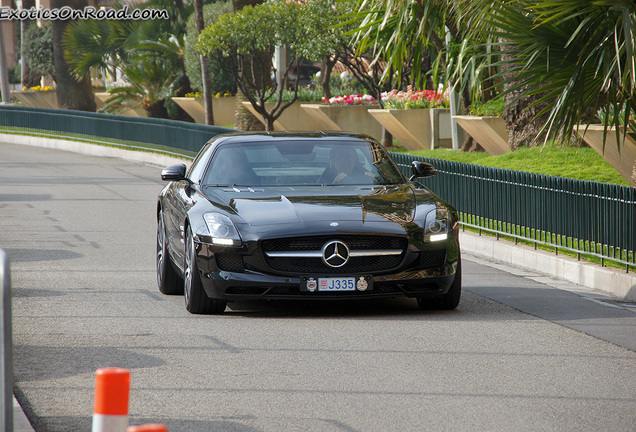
[293, 163]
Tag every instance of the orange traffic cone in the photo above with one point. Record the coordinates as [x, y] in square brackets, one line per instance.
[152, 427]
[112, 386]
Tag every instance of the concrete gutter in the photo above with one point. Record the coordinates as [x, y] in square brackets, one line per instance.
[617, 282]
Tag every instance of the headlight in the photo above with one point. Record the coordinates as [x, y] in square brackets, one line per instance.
[436, 225]
[222, 230]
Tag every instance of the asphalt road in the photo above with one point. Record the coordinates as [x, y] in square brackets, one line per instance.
[517, 355]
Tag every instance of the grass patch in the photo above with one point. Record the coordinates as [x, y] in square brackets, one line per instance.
[580, 163]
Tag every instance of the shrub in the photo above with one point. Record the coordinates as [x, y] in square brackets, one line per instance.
[492, 108]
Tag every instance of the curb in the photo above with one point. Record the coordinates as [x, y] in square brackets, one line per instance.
[92, 149]
[611, 281]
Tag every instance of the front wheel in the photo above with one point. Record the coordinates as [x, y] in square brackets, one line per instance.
[167, 278]
[196, 300]
[448, 301]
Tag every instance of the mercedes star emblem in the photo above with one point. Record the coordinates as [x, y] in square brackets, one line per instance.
[335, 253]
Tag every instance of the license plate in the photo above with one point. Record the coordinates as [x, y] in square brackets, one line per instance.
[337, 284]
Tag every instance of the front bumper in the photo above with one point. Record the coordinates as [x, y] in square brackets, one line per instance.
[248, 284]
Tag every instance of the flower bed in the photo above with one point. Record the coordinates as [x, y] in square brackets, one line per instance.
[353, 99]
[410, 99]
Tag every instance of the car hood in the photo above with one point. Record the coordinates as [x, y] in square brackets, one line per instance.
[304, 205]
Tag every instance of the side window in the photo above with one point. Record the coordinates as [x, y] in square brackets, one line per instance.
[195, 173]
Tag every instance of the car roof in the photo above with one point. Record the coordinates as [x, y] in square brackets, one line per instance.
[278, 136]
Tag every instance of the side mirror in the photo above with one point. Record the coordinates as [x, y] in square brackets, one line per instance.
[174, 172]
[422, 169]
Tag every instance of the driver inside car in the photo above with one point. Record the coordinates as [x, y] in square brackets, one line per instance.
[344, 163]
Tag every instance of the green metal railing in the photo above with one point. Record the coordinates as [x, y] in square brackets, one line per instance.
[584, 217]
[597, 219]
[188, 137]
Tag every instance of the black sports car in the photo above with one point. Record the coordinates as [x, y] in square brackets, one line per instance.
[311, 215]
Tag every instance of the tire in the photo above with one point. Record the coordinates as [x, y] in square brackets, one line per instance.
[448, 301]
[168, 280]
[196, 300]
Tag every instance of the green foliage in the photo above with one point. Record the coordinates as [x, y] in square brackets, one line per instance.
[149, 53]
[304, 95]
[581, 163]
[244, 43]
[576, 56]
[398, 32]
[220, 80]
[342, 85]
[38, 49]
[98, 44]
[149, 84]
[607, 116]
[492, 108]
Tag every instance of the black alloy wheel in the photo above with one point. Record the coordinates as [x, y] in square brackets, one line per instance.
[196, 300]
[168, 280]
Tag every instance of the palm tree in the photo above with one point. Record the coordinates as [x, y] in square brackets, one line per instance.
[139, 49]
[72, 93]
[560, 60]
[458, 36]
[148, 83]
[574, 56]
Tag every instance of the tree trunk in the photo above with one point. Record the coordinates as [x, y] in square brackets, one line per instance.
[243, 118]
[28, 79]
[156, 109]
[326, 67]
[71, 94]
[205, 66]
[522, 121]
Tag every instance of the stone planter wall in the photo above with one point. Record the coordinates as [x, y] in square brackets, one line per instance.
[417, 129]
[102, 97]
[223, 109]
[623, 160]
[489, 132]
[293, 118]
[36, 99]
[352, 118]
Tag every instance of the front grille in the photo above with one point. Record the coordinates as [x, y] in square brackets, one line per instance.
[355, 265]
[230, 262]
[316, 243]
[432, 259]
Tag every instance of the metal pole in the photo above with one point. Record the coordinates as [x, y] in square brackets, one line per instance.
[280, 63]
[453, 106]
[4, 77]
[6, 347]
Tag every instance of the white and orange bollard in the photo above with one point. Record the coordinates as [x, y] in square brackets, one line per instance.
[112, 386]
